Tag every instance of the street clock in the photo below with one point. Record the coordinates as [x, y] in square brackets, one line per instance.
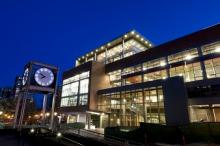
[44, 77]
[39, 77]
[25, 76]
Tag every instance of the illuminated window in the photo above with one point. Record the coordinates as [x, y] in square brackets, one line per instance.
[71, 91]
[211, 48]
[132, 69]
[182, 56]
[132, 107]
[154, 63]
[84, 86]
[212, 68]
[84, 75]
[64, 102]
[83, 99]
[190, 72]
[115, 78]
[133, 80]
[69, 101]
[155, 75]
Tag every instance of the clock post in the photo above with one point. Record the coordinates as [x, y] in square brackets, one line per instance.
[38, 78]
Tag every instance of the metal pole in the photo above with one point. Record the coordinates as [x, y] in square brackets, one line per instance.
[17, 110]
[22, 110]
[44, 108]
[53, 105]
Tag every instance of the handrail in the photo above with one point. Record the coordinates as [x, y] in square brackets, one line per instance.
[110, 138]
[73, 141]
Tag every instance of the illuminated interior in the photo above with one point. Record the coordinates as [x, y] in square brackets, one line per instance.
[124, 46]
[130, 108]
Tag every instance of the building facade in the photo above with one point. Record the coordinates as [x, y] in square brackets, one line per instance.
[129, 80]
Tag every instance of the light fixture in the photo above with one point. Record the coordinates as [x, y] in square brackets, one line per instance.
[55, 113]
[188, 57]
[164, 78]
[142, 39]
[102, 47]
[217, 50]
[47, 114]
[108, 44]
[132, 32]
[1, 112]
[150, 45]
[187, 79]
[59, 134]
[137, 36]
[96, 50]
[180, 75]
[32, 130]
[146, 42]
[125, 36]
[36, 115]
[162, 63]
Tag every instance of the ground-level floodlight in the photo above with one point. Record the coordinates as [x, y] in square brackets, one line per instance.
[32, 130]
[59, 134]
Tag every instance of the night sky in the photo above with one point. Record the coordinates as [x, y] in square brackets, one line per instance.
[59, 31]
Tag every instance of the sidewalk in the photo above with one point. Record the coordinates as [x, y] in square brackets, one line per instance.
[192, 144]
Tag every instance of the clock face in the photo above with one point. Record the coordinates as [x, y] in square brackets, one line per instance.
[44, 77]
[25, 76]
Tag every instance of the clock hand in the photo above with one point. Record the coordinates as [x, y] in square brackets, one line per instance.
[43, 76]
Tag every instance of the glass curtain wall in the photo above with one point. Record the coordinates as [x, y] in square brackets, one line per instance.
[132, 107]
[212, 68]
[205, 113]
[158, 75]
[75, 90]
[183, 56]
[211, 48]
[128, 48]
[190, 72]
[115, 78]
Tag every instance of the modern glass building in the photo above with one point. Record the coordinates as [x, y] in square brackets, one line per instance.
[129, 80]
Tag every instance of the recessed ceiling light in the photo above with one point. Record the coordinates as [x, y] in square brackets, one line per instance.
[217, 50]
[188, 57]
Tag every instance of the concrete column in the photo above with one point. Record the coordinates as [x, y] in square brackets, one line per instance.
[175, 101]
[106, 55]
[168, 67]
[88, 116]
[202, 64]
[144, 109]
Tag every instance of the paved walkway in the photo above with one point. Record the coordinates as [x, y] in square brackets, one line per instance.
[192, 144]
[11, 140]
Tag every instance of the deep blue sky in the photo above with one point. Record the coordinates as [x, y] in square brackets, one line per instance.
[58, 31]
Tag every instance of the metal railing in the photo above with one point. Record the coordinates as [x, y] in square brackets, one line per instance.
[114, 141]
